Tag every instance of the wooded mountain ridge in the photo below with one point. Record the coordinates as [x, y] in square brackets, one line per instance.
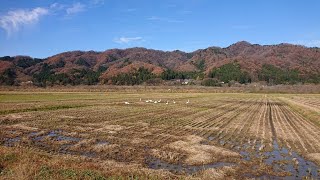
[242, 62]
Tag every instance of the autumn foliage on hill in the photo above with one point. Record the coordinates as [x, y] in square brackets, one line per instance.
[242, 62]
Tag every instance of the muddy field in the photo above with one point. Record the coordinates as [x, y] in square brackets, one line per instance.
[169, 135]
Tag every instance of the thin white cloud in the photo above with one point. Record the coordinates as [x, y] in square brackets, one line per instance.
[156, 18]
[308, 43]
[97, 2]
[14, 20]
[57, 6]
[127, 40]
[76, 8]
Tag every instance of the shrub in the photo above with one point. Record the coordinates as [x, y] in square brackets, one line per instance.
[210, 82]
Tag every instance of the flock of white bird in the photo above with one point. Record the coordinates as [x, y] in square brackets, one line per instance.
[156, 101]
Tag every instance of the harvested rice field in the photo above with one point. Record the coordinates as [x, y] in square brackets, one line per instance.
[165, 135]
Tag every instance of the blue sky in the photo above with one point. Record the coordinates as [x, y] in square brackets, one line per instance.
[42, 28]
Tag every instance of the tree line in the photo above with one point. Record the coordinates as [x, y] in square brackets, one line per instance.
[227, 73]
[47, 77]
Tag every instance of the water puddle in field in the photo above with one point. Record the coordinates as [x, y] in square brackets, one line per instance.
[54, 135]
[280, 158]
[10, 142]
[155, 163]
[102, 142]
[44, 140]
[283, 160]
[54, 141]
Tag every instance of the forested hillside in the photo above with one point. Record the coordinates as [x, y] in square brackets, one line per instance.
[241, 62]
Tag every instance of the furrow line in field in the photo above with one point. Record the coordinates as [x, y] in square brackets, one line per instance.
[257, 128]
[310, 126]
[195, 119]
[219, 119]
[310, 129]
[225, 119]
[230, 107]
[283, 132]
[239, 133]
[240, 123]
[273, 131]
[301, 129]
[291, 130]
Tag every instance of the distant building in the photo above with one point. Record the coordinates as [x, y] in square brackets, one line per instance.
[186, 81]
[26, 83]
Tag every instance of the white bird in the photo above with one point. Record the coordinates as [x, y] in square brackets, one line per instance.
[140, 99]
[174, 102]
[159, 101]
[155, 102]
[188, 101]
[147, 101]
[167, 102]
[126, 102]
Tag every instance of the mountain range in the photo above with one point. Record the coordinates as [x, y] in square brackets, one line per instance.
[114, 62]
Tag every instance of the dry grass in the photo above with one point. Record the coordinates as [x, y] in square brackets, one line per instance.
[303, 89]
[198, 154]
[24, 164]
[315, 157]
[219, 173]
[310, 112]
[109, 128]
[27, 164]
[17, 163]
[115, 139]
